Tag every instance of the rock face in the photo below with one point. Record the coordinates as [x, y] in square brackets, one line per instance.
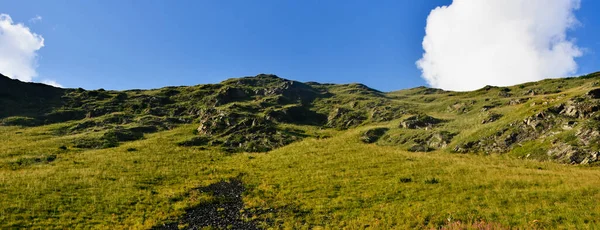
[420, 121]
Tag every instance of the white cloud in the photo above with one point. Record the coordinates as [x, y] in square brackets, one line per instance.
[35, 19]
[52, 83]
[473, 43]
[18, 47]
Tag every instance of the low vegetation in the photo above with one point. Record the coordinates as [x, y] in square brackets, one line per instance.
[265, 152]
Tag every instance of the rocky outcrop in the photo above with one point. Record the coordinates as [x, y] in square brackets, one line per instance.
[570, 154]
[372, 135]
[433, 141]
[491, 118]
[296, 114]
[516, 132]
[236, 132]
[518, 101]
[579, 113]
[420, 121]
[580, 108]
[594, 93]
[386, 113]
[440, 139]
[345, 118]
[230, 94]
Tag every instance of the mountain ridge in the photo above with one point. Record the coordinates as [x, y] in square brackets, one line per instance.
[248, 113]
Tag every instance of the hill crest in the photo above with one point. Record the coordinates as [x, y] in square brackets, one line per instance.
[260, 113]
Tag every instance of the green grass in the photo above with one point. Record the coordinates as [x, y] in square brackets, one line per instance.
[327, 179]
[334, 182]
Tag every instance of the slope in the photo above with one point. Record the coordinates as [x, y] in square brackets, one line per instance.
[269, 152]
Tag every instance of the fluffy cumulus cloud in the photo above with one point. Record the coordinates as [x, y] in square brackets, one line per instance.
[473, 43]
[18, 47]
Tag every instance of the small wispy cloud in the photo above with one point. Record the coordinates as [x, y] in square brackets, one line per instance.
[35, 19]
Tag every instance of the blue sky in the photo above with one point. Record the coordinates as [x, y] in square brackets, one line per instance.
[116, 44]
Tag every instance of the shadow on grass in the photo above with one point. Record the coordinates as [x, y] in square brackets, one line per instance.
[223, 213]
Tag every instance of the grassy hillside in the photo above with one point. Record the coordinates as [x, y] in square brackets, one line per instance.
[265, 152]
